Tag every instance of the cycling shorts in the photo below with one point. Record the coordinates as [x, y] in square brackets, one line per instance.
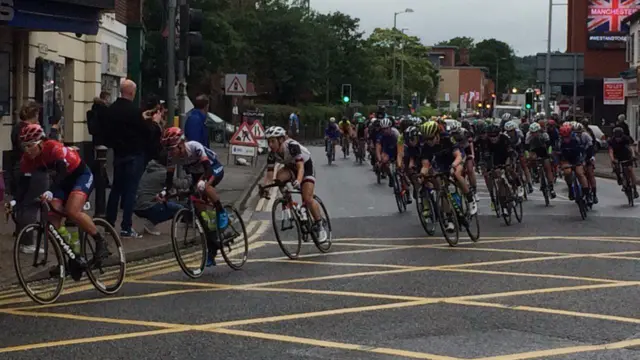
[218, 174]
[309, 174]
[79, 181]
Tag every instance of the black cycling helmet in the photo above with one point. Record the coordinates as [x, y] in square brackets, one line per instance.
[405, 124]
[465, 124]
[618, 132]
[493, 129]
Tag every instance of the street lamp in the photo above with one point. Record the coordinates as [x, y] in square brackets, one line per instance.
[402, 71]
[497, 75]
[514, 90]
[395, 18]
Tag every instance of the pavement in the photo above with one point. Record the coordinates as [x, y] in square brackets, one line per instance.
[234, 189]
[603, 167]
[551, 287]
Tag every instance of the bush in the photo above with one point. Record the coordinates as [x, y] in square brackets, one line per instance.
[428, 112]
[313, 118]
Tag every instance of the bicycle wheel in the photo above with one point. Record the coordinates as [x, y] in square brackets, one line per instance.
[470, 222]
[582, 207]
[517, 209]
[628, 190]
[191, 252]
[545, 189]
[497, 207]
[326, 223]
[234, 242]
[49, 279]
[429, 222]
[402, 206]
[288, 221]
[106, 282]
[445, 203]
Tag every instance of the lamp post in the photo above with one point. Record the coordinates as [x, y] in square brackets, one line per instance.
[395, 18]
[402, 71]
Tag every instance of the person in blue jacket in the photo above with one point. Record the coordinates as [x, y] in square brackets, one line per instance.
[194, 127]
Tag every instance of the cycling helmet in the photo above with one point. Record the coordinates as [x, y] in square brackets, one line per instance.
[551, 122]
[493, 129]
[577, 126]
[565, 131]
[506, 116]
[361, 119]
[274, 131]
[385, 123]
[454, 126]
[430, 129]
[332, 119]
[356, 116]
[618, 132]
[510, 125]
[172, 136]
[412, 132]
[31, 133]
[465, 124]
[534, 128]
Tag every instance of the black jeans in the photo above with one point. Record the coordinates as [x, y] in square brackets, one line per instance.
[127, 171]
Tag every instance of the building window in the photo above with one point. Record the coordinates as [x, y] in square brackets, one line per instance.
[49, 92]
[111, 84]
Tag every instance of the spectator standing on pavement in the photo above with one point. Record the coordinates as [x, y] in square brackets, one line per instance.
[152, 183]
[97, 123]
[195, 128]
[128, 134]
[622, 122]
[26, 186]
[156, 127]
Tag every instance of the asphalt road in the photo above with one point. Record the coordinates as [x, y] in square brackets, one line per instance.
[552, 287]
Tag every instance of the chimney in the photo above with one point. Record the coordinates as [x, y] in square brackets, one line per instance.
[464, 57]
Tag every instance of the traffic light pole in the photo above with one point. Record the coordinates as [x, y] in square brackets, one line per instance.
[182, 78]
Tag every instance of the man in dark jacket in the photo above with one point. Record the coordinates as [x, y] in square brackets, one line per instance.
[128, 133]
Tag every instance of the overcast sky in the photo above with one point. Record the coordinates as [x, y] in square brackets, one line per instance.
[520, 23]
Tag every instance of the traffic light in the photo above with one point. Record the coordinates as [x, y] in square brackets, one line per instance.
[346, 93]
[528, 103]
[480, 105]
[191, 43]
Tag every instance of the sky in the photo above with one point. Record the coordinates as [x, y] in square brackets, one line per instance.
[520, 23]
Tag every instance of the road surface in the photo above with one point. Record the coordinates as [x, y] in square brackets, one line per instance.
[552, 287]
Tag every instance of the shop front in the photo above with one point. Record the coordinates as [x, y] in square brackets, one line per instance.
[632, 103]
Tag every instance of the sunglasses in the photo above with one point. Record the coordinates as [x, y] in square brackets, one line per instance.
[30, 145]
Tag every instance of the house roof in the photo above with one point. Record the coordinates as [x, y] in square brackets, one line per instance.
[444, 47]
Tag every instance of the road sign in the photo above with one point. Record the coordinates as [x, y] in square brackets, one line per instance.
[235, 84]
[387, 103]
[257, 130]
[243, 136]
[241, 150]
[564, 105]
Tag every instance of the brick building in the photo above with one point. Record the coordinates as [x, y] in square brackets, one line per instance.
[595, 32]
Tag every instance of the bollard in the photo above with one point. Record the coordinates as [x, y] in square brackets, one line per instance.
[99, 178]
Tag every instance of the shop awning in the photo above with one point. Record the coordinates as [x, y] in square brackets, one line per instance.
[57, 16]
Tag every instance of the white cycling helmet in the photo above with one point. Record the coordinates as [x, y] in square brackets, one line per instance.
[274, 131]
[506, 116]
[534, 128]
[385, 123]
[455, 126]
[332, 119]
[510, 126]
[576, 126]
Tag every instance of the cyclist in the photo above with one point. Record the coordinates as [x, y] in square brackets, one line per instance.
[498, 146]
[70, 187]
[538, 143]
[572, 154]
[590, 165]
[298, 169]
[517, 144]
[463, 135]
[442, 153]
[331, 136]
[360, 133]
[345, 128]
[409, 145]
[589, 153]
[386, 147]
[621, 150]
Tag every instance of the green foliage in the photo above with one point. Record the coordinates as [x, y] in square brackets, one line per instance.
[292, 55]
[428, 112]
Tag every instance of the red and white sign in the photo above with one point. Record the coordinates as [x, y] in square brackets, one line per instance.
[613, 91]
[564, 105]
[243, 136]
[257, 130]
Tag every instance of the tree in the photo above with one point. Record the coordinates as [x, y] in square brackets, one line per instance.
[492, 54]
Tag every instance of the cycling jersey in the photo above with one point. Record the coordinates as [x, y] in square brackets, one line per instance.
[571, 150]
[499, 151]
[344, 125]
[587, 144]
[291, 153]
[538, 144]
[360, 130]
[517, 139]
[442, 154]
[620, 147]
[72, 174]
[197, 160]
[332, 131]
[389, 142]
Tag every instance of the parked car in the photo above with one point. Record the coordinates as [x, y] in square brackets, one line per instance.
[216, 124]
[601, 138]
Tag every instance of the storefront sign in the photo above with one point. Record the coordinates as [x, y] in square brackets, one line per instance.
[605, 23]
[613, 91]
[114, 61]
[6, 10]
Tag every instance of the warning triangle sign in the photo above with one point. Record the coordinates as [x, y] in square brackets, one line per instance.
[257, 130]
[235, 87]
[243, 136]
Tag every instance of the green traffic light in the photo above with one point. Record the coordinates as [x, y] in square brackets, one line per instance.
[528, 106]
[345, 99]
